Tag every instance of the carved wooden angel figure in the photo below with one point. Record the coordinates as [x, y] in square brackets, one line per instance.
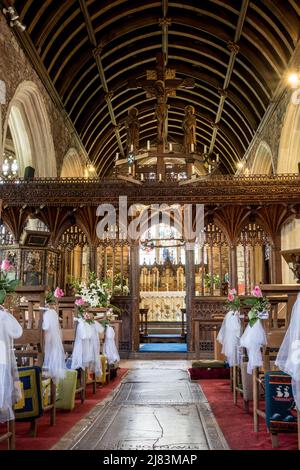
[132, 126]
[189, 129]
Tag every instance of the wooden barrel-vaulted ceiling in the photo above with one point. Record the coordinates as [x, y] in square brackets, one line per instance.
[237, 51]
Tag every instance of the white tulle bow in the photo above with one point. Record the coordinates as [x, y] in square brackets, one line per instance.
[54, 358]
[229, 336]
[110, 349]
[253, 339]
[10, 392]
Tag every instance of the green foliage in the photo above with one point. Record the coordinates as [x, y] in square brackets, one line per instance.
[216, 280]
[258, 306]
[7, 286]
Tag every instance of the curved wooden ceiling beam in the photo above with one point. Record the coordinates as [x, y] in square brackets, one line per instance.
[181, 99]
[192, 22]
[193, 37]
[234, 85]
[131, 102]
[44, 5]
[125, 103]
[105, 128]
[51, 24]
[140, 51]
[237, 103]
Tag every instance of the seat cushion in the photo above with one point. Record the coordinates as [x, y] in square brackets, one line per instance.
[65, 395]
[281, 413]
[208, 363]
[199, 373]
[31, 378]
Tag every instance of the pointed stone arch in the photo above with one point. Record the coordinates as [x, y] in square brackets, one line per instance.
[263, 162]
[31, 131]
[73, 165]
[289, 147]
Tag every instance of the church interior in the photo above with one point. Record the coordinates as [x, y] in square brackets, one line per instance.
[149, 225]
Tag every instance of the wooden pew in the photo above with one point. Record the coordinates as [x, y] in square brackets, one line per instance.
[275, 326]
[31, 344]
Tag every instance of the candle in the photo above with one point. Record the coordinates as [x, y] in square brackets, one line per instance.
[205, 148]
[192, 148]
[148, 144]
[160, 177]
[117, 156]
[131, 148]
[171, 147]
[142, 176]
[209, 168]
[193, 169]
[129, 170]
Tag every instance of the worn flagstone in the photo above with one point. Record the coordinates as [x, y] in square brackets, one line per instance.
[154, 408]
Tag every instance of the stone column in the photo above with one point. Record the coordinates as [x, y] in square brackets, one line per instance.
[134, 285]
[233, 277]
[93, 258]
[190, 289]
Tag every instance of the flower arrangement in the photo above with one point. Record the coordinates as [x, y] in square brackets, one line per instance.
[7, 286]
[259, 304]
[94, 292]
[82, 307]
[52, 296]
[233, 301]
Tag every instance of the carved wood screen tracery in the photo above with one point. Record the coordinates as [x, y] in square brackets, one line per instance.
[253, 250]
[108, 258]
[211, 262]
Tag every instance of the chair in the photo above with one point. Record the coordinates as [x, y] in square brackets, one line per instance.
[29, 348]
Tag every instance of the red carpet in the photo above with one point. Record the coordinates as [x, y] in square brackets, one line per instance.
[236, 425]
[47, 436]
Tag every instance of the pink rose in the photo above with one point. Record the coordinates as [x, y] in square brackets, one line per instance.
[233, 291]
[230, 297]
[5, 265]
[257, 292]
[79, 302]
[58, 293]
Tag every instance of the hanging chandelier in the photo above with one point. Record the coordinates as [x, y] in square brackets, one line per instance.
[10, 167]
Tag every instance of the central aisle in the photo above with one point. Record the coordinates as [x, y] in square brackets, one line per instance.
[155, 407]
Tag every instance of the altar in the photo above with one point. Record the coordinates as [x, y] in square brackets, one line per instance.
[163, 305]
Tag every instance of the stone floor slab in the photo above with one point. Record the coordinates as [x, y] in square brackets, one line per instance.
[152, 409]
